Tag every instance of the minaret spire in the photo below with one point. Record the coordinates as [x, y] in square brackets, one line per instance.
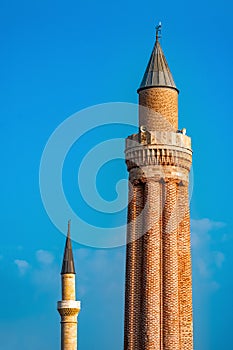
[68, 260]
[157, 73]
[158, 92]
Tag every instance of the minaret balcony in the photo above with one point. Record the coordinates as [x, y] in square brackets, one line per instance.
[68, 307]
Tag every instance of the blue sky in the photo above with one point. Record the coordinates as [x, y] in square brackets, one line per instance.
[58, 58]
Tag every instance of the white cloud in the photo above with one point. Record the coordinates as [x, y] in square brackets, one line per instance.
[22, 266]
[206, 260]
[44, 257]
[205, 225]
[200, 230]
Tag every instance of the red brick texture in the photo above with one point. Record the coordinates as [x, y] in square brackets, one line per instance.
[161, 109]
[185, 270]
[133, 271]
[170, 268]
[151, 271]
[158, 295]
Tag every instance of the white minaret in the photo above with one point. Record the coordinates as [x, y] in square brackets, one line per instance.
[68, 307]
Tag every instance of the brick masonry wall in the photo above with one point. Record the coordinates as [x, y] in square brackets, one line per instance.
[151, 273]
[160, 110]
[185, 269]
[132, 340]
[170, 268]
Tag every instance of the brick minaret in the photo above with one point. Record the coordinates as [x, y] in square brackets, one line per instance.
[158, 297]
[68, 308]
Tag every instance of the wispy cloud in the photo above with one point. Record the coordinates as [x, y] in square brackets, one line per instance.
[200, 230]
[46, 274]
[44, 257]
[206, 224]
[42, 272]
[22, 265]
[206, 260]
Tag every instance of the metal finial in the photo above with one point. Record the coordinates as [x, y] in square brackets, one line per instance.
[158, 31]
[68, 233]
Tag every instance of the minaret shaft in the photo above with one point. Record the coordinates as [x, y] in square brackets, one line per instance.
[68, 338]
[158, 296]
[68, 286]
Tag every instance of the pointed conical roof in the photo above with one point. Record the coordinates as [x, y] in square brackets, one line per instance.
[68, 260]
[157, 73]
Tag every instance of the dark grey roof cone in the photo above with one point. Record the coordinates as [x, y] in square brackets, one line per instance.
[68, 260]
[157, 73]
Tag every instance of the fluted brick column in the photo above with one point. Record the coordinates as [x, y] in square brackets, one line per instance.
[151, 286]
[132, 340]
[185, 270]
[170, 269]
